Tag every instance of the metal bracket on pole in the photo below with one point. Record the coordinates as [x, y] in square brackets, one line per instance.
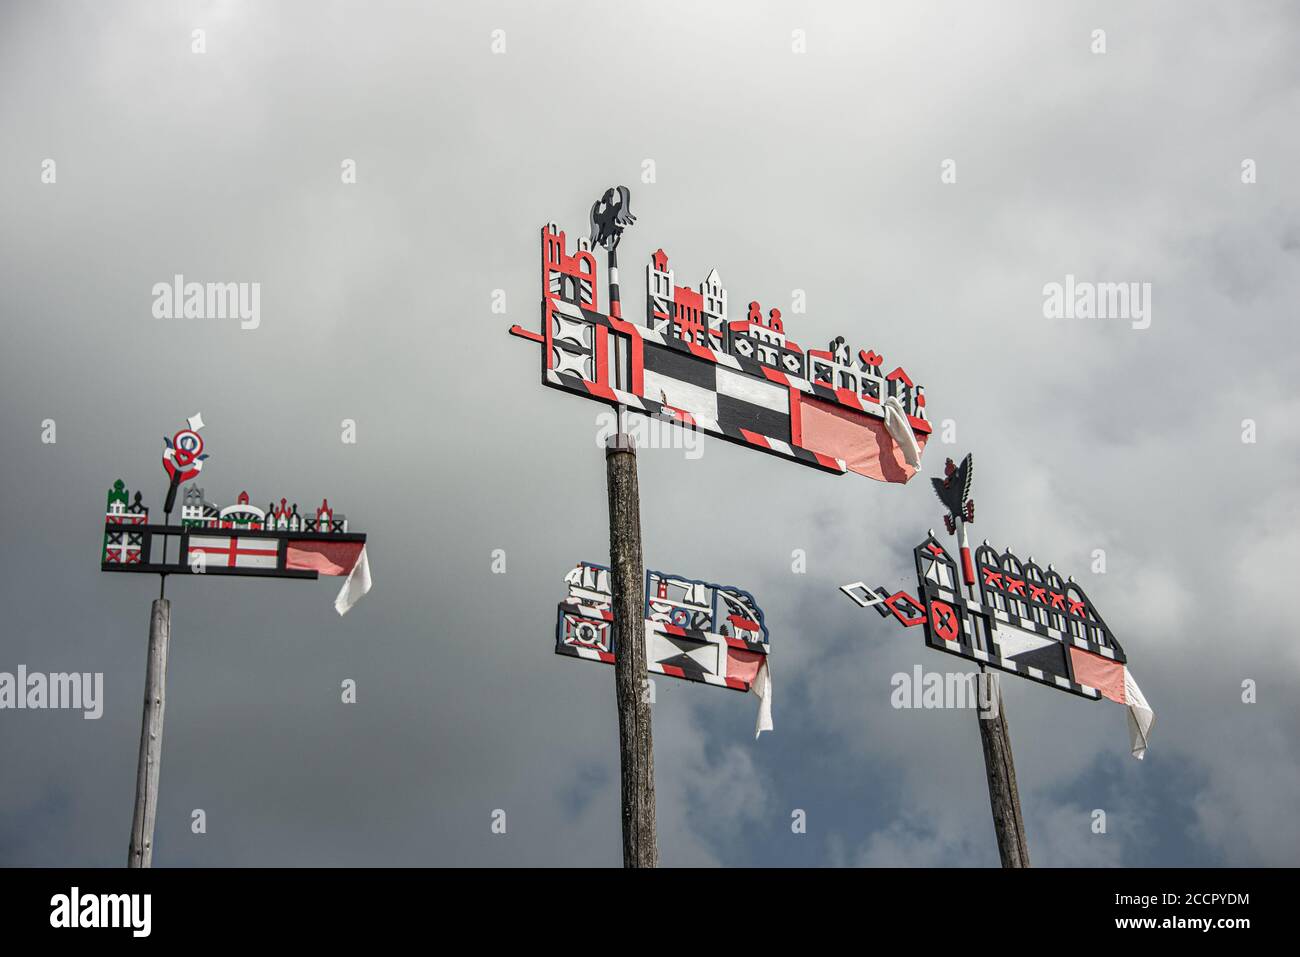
[620, 442]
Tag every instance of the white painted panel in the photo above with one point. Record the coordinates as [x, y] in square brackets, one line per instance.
[680, 395]
[755, 391]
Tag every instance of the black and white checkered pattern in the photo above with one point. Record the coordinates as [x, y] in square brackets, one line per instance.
[712, 391]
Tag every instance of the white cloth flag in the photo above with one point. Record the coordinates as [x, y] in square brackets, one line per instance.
[355, 585]
[762, 686]
[1140, 716]
[898, 426]
[1114, 681]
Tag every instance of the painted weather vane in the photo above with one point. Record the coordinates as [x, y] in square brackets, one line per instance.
[239, 539]
[695, 630]
[999, 611]
[694, 361]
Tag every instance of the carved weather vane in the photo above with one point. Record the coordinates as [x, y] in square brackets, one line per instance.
[695, 630]
[1014, 615]
[240, 539]
[693, 361]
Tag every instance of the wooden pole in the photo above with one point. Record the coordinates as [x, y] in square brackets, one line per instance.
[999, 766]
[151, 728]
[627, 582]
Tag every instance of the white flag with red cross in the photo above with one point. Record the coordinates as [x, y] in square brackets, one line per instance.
[234, 551]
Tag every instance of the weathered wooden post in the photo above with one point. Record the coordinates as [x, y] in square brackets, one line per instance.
[1000, 767]
[610, 215]
[627, 578]
[151, 730]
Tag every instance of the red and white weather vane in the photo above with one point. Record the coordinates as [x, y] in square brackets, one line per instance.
[239, 539]
[996, 610]
[694, 361]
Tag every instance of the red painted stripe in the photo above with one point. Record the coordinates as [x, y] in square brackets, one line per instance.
[673, 671]
[681, 415]
[848, 397]
[600, 391]
[753, 438]
[738, 683]
[796, 417]
[602, 355]
[701, 352]
[522, 333]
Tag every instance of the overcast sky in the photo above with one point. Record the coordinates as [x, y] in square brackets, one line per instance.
[816, 171]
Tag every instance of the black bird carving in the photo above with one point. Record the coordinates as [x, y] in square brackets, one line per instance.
[609, 216]
[954, 491]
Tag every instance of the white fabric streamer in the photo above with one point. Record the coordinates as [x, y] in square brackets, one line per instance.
[355, 585]
[1141, 719]
[762, 686]
[898, 426]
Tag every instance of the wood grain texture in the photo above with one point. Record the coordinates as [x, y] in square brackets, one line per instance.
[151, 729]
[627, 578]
[1004, 796]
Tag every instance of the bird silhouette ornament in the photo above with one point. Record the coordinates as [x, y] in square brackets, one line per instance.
[954, 491]
[610, 215]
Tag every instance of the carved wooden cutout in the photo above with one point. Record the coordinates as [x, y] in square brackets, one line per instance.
[741, 379]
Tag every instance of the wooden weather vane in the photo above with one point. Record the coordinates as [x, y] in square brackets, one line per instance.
[240, 539]
[1000, 612]
[695, 630]
[695, 361]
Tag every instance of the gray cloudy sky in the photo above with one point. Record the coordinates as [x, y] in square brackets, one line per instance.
[817, 172]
